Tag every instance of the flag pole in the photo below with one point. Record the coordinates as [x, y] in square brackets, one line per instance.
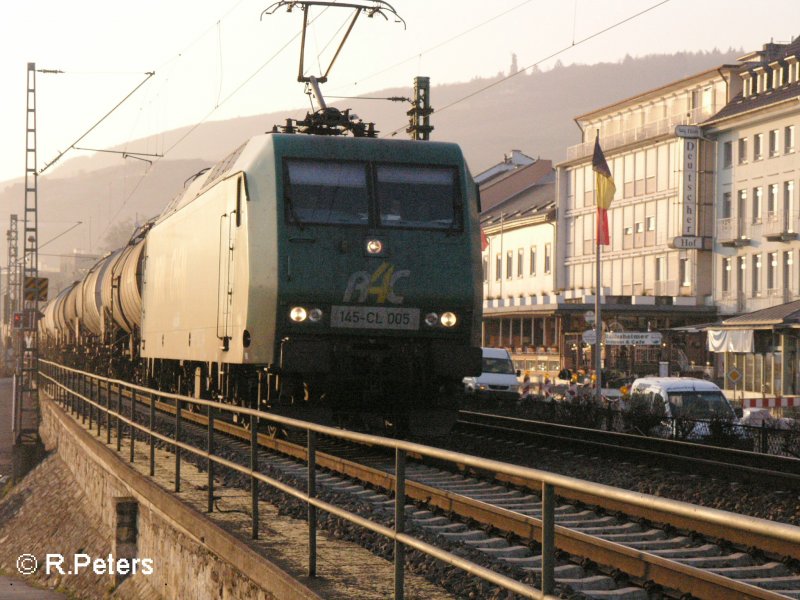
[598, 320]
[603, 193]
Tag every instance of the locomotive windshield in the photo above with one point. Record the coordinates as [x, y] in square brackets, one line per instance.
[416, 197]
[327, 192]
[337, 193]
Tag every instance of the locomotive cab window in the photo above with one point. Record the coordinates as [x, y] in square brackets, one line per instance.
[417, 197]
[326, 192]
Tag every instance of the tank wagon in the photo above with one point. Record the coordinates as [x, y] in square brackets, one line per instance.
[305, 274]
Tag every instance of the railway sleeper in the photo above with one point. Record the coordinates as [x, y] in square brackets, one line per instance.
[708, 562]
[772, 569]
[690, 552]
[791, 582]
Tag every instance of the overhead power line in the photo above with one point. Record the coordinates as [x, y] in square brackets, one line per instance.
[104, 117]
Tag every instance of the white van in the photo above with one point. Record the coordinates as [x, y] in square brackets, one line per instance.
[498, 379]
[683, 397]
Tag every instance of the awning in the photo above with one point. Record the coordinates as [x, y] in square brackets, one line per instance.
[730, 340]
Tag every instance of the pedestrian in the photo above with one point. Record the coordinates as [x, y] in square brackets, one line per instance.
[548, 389]
[527, 389]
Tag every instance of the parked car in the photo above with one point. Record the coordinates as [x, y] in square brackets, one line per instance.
[692, 403]
[498, 379]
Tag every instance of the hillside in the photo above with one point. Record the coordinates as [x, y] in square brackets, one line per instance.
[531, 112]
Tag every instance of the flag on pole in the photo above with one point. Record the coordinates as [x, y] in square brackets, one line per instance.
[484, 240]
[604, 192]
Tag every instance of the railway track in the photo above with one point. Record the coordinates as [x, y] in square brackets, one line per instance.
[608, 547]
[686, 457]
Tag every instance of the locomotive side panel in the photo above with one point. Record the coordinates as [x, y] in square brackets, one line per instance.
[259, 263]
[189, 303]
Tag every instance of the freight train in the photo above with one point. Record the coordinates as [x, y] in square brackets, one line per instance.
[321, 276]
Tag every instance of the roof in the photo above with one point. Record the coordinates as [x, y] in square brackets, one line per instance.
[782, 314]
[676, 383]
[511, 161]
[512, 183]
[637, 98]
[762, 59]
[532, 201]
[740, 104]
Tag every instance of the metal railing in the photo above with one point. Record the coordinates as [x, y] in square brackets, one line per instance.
[75, 390]
[642, 132]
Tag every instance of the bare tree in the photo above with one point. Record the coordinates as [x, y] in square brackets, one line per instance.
[118, 234]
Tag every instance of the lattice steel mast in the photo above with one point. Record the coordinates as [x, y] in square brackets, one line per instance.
[26, 405]
[12, 280]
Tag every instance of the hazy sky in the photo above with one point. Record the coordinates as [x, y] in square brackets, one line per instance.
[216, 59]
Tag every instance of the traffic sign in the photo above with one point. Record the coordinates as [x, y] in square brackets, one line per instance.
[589, 337]
[734, 376]
[588, 316]
[35, 289]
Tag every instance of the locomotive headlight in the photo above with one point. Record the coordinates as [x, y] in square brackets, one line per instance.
[298, 314]
[315, 315]
[431, 319]
[449, 319]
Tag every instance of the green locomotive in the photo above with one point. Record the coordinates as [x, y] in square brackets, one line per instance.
[309, 275]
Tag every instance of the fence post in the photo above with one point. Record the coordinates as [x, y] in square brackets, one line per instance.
[99, 404]
[548, 539]
[152, 437]
[177, 447]
[312, 510]
[83, 402]
[399, 520]
[119, 417]
[210, 465]
[108, 412]
[133, 421]
[764, 444]
[254, 467]
[88, 394]
[71, 395]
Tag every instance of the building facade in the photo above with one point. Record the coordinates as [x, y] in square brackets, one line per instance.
[521, 307]
[657, 271]
[757, 237]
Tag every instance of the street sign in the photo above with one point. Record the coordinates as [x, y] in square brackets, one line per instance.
[633, 338]
[734, 376]
[688, 131]
[690, 242]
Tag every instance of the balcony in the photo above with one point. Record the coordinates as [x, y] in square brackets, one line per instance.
[781, 227]
[637, 134]
[666, 288]
[733, 232]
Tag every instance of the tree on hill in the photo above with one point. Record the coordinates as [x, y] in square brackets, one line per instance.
[118, 234]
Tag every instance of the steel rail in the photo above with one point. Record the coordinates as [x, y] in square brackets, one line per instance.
[774, 466]
[770, 536]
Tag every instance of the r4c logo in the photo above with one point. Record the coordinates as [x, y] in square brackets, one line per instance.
[380, 284]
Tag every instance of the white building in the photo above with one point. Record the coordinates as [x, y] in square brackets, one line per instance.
[757, 246]
[657, 272]
[521, 305]
[758, 166]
